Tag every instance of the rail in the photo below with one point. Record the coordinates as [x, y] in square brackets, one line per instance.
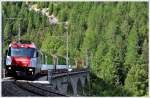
[37, 90]
[70, 73]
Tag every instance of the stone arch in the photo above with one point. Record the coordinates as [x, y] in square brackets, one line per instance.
[86, 87]
[79, 87]
[69, 89]
[86, 81]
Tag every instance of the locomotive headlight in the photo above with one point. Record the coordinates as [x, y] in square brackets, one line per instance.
[30, 69]
[9, 67]
[8, 60]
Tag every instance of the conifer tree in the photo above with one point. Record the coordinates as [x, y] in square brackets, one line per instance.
[136, 82]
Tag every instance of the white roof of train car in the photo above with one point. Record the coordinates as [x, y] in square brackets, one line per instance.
[47, 66]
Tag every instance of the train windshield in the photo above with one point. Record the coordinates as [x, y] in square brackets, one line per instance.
[30, 52]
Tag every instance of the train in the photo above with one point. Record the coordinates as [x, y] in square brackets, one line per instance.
[23, 59]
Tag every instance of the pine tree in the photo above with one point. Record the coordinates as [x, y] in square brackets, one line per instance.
[7, 33]
[131, 53]
[136, 82]
[29, 25]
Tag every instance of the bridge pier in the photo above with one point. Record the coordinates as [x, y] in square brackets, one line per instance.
[62, 85]
[83, 83]
[76, 79]
[74, 85]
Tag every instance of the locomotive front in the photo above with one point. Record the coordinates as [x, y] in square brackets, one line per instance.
[22, 59]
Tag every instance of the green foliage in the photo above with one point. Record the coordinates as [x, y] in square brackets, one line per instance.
[131, 53]
[6, 33]
[51, 44]
[137, 80]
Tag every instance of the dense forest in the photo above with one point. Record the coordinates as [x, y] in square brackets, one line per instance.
[115, 34]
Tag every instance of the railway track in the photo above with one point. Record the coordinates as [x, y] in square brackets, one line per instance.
[9, 89]
[36, 89]
[14, 87]
[26, 89]
[46, 90]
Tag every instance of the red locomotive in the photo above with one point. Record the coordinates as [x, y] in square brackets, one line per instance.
[22, 59]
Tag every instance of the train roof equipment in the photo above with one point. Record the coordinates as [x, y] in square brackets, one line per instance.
[22, 44]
